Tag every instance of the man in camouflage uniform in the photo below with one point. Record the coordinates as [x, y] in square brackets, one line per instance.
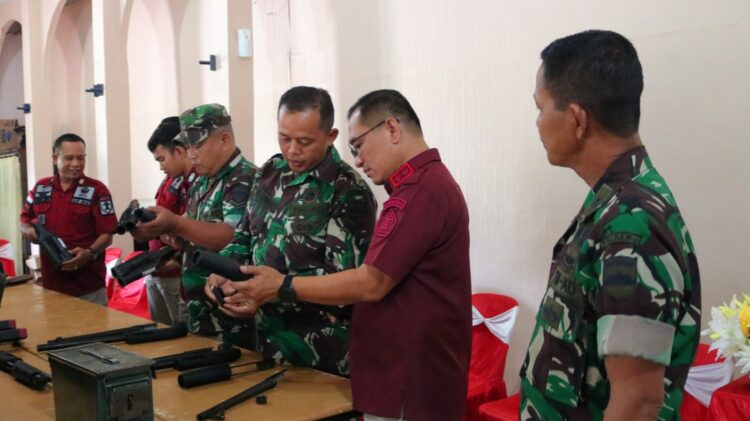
[309, 213]
[617, 327]
[216, 204]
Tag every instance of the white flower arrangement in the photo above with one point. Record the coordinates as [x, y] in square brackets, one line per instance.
[729, 329]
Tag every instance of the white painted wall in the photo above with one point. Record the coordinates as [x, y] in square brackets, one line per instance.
[11, 79]
[203, 32]
[152, 68]
[468, 69]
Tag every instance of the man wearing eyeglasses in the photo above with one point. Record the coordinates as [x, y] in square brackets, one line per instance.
[411, 328]
[309, 213]
[216, 203]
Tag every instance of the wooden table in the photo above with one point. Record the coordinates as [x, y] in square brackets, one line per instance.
[303, 394]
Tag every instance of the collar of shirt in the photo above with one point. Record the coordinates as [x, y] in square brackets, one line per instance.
[57, 184]
[403, 173]
[627, 166]
[232, 162]
[325, 171]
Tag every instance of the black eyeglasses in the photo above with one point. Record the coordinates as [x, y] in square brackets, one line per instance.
[354, 149]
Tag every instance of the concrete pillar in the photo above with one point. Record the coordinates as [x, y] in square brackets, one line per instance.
[112, 110]
[35, 26]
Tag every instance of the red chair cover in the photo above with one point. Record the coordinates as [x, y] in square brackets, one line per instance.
[488, 353]
[501, 410]
[7, 259]
[131, 298]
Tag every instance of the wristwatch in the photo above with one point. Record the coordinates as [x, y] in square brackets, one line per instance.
[286, 293]
[94, 254]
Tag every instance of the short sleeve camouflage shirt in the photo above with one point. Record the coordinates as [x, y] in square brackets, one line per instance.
[221, 199]
[624, 281]
[311, 223]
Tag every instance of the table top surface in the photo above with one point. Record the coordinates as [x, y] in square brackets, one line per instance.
[303, 394]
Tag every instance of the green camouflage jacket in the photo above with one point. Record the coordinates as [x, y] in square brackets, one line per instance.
[623, 281]
[221, 198]
[312, 223]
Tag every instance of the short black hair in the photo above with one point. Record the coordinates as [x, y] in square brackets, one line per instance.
[67, 137]
[384, 103]
[303, 98]
[600, 71]
[164, 134]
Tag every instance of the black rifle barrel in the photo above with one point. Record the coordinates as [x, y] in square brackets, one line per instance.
[218, 373]
[97, 335]
[131, 337]
[170, 361]
[217, 412]
[30, 376]
[222, 355]
[216, 263]
[173, 332]
[24, 373]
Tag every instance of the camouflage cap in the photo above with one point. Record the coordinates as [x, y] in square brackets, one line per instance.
[199, 122]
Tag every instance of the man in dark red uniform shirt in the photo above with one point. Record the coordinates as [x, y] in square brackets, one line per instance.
[411, 329]
[165, 303]
[79, 210]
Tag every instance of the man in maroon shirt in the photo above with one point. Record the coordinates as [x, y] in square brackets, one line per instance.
[79, 210]
[165, 303]
[411, 328]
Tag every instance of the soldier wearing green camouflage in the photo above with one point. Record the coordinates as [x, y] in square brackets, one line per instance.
[618, 325]
[311, 216]
[216, 204]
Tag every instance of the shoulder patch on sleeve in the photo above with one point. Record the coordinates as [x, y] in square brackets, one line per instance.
[238, 195]
[42, 194]
[106, 207]
[619, 276]
[620, 237]
[389, 216]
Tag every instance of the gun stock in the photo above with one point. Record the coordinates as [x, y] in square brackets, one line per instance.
[130, 217]
[52, 245]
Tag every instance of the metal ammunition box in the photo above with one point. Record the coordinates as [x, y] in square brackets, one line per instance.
[101, 382]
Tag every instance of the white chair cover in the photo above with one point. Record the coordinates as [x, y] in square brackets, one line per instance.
[500, 325]
[703, 380]
[6, 250]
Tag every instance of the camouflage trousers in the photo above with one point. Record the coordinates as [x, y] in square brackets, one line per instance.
[302, 335]
[205, 319]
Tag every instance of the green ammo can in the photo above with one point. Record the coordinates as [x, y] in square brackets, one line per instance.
[101, 382]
